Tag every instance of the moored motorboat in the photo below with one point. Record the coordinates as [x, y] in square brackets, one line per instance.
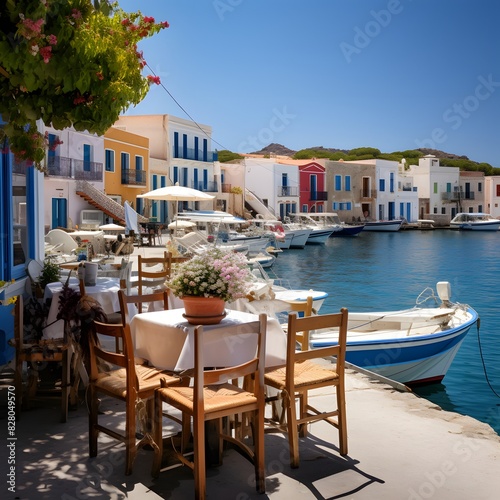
[477, 221]
[331, 219]
[412, 346]
[383, 225]
[319, 234]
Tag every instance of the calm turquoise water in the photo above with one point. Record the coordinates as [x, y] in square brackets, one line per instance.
[379, 271]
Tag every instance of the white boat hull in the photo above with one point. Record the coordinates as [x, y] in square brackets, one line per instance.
[390, 225]
[411, 346]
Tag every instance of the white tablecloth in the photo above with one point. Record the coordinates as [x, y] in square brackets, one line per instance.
[166, 340]
[105, 292]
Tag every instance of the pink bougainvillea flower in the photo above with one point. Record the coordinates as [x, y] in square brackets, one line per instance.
[46, 53]
[148, 19]
[52, 39]
[154, 79]
[164, 24]
[100, 75]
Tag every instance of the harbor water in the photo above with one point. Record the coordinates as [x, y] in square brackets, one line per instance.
[387, 271]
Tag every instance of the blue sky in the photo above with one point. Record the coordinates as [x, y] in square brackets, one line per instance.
[390, 74]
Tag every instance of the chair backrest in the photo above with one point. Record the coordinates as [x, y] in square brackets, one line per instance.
[99, 353]
[253, 367]
[323, 321]
[142, 302]
[152, 272]
[304, 309]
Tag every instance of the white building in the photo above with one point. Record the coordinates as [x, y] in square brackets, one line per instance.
[438, 188]
[184, 150]
[71, 156]
[393, 198]
[492, 195]
[275, 184]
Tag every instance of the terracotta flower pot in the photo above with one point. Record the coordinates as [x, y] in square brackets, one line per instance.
[204, 310]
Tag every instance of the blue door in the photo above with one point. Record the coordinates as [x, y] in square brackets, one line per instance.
[59, 212]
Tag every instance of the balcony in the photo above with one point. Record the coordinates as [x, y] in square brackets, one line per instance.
[288, 191]
[368, 194]
[451, 196]
[318, 196]
[60, 166]
[134, 177]
[208, 187]
[195, 154]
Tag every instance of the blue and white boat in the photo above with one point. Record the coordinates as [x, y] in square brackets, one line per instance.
[477, 221]
[412, 346]
[383, 225]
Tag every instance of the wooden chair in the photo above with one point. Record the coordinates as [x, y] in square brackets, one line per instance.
[152, 272]
[142, 302]
[210, 398]
[126, 381]
[37, 354]
[301, 375]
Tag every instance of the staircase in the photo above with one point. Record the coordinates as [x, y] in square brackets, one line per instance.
[102, 202]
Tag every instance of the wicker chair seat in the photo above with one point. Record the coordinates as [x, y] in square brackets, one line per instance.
[306, 373]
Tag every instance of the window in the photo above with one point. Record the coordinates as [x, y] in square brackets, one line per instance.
[205, 179]
[184, 145]
[109, 160]
[448, 187]
[338, 183]
[479, 186]
[480, 208]
[335, 206]
[435, 192]
[87, 157]
[125, 161]
[196, 148]
[175, 175]
[205, 150]
[176, 144]
[391, 182]
[304, 208]
[381, 185]
[347, 182]
[138, 162]
[443, 210]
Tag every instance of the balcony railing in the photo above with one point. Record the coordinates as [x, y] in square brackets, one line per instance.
[368, 194]
[451, 196]
[318, 196]
[288, 191]
[60, 166]
[134, 177]
[196, 154]
[209, 187]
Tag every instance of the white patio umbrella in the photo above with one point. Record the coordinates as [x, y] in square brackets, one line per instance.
[176, 193]
[112, 227]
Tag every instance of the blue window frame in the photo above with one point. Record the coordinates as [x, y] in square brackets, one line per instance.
[347, 182]
[185, 176]
[17, 216]
[184, 145]
[391, 182]
[196, 148]
[205, 179]
[87, 157]
[205, 150]
[176, 144]
[138, 168]
[338, 183]
[109, 160]
[195, 179]
[125, 161]
[381, 184]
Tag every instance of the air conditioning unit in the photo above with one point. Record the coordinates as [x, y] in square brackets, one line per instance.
[91, 219]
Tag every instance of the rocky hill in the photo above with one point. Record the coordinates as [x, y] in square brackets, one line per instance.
[280, 150]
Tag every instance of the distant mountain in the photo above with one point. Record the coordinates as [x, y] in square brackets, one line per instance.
[280, 150]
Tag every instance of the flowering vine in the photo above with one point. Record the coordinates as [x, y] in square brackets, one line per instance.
[68, 63]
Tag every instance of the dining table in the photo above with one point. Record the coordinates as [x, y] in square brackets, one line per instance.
[105, 291]
[166, 339]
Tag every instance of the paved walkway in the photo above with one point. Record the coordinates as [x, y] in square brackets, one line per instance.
[401, 447]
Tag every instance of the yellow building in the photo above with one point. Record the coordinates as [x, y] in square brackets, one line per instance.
[126, 167]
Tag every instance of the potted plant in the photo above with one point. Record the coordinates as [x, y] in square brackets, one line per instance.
[50, 273]
[209, 280]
